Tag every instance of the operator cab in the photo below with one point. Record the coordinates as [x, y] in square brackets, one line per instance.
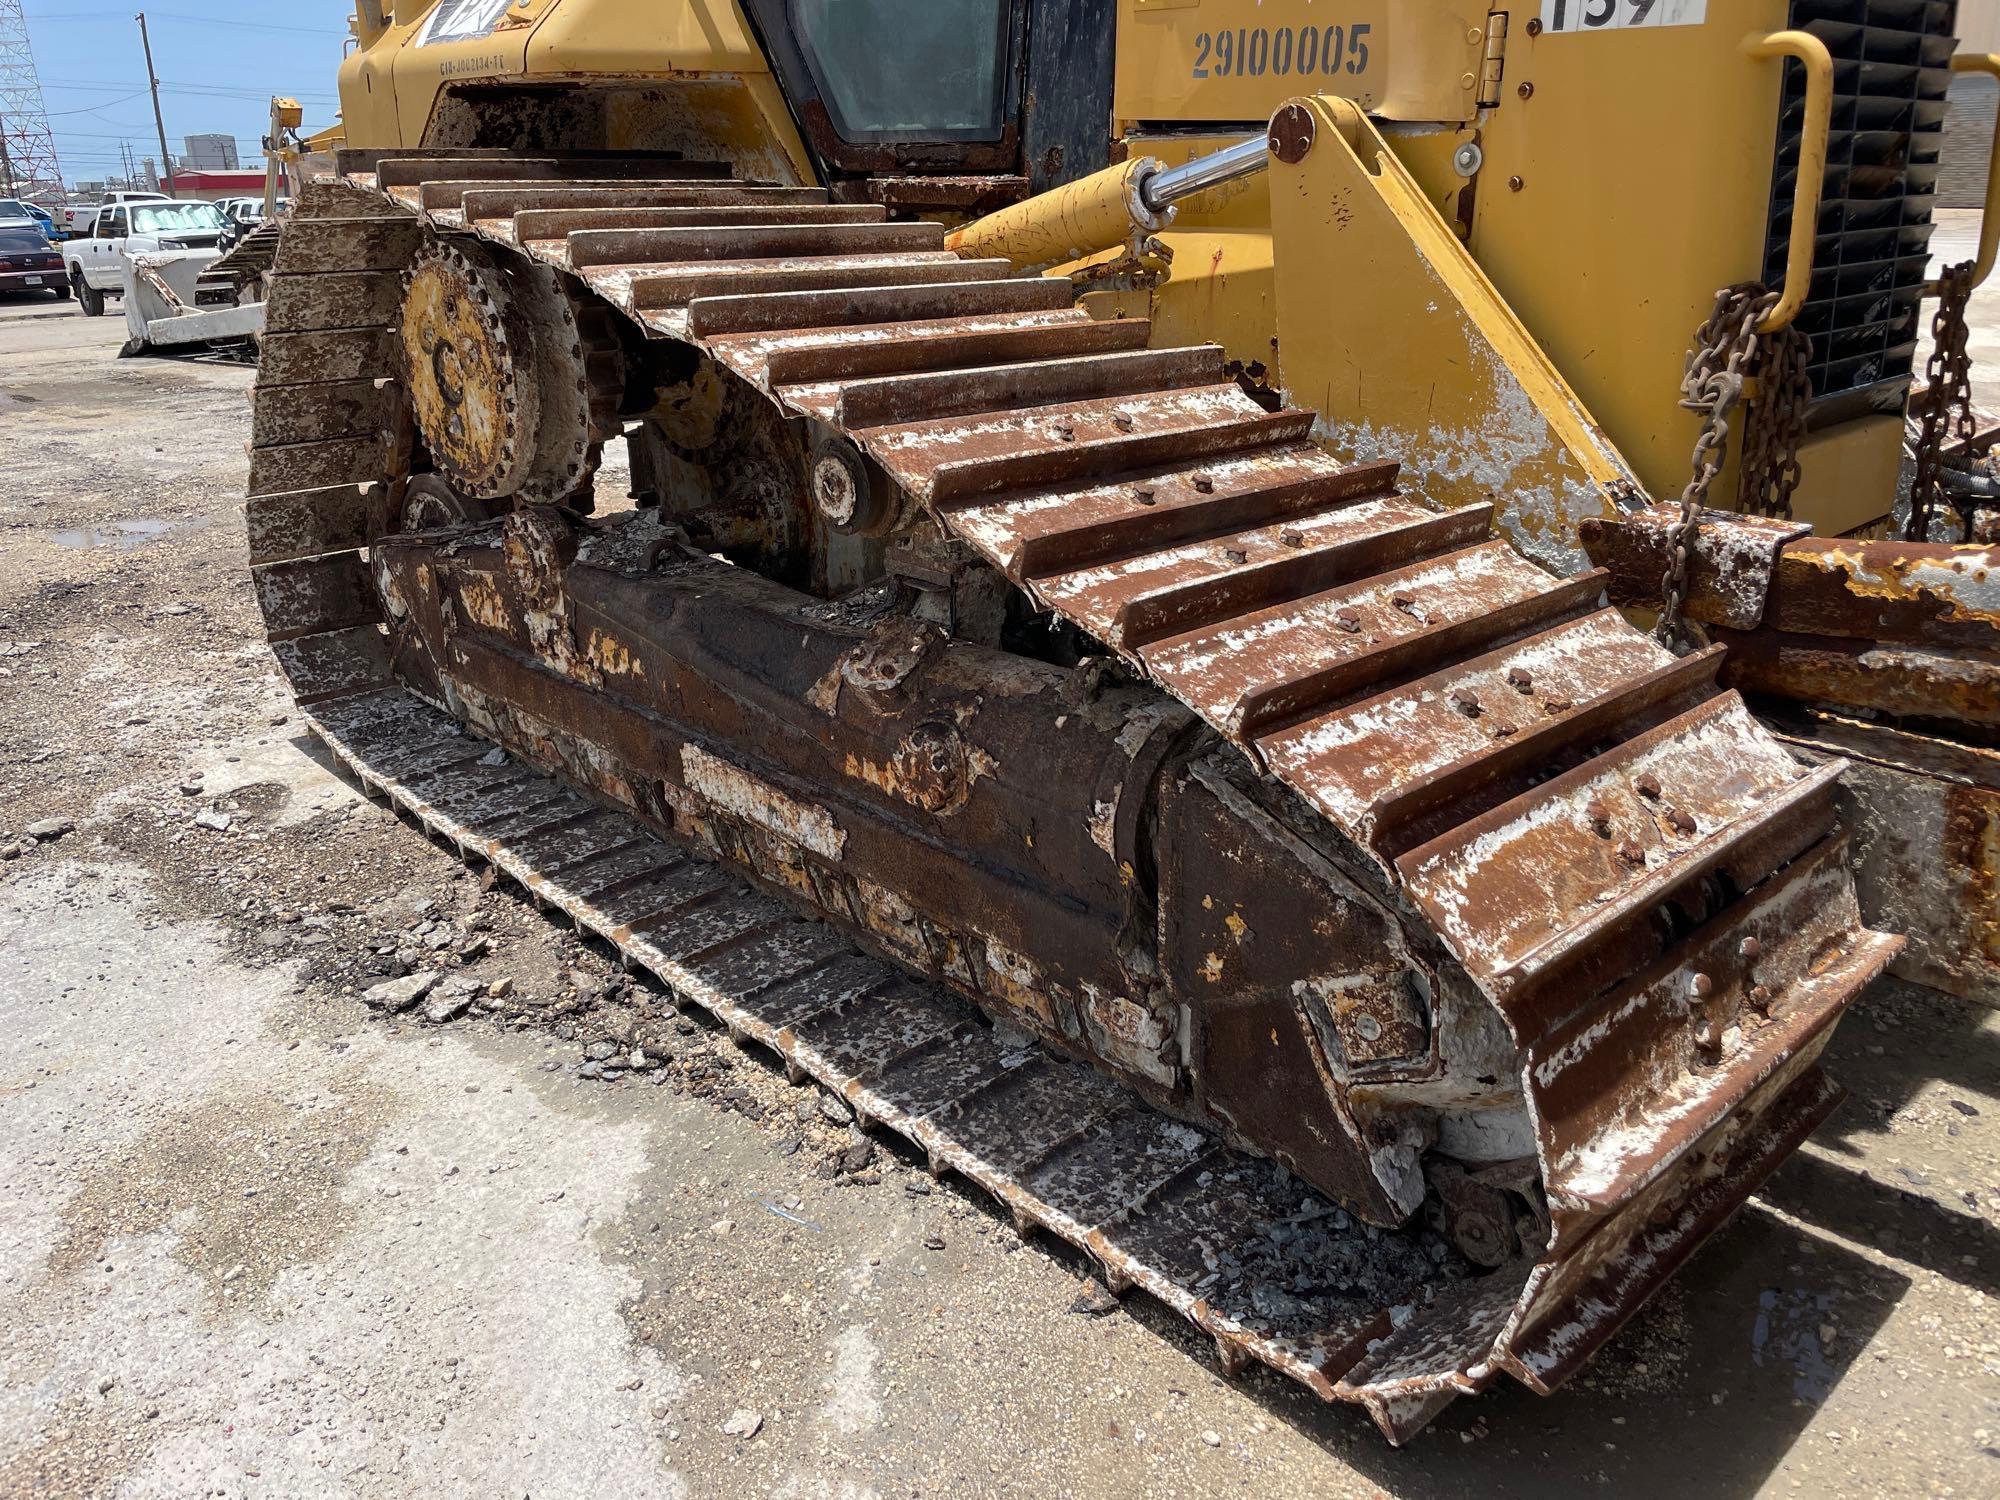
[953, 105]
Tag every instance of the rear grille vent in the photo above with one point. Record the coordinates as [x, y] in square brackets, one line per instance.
[1891, 65]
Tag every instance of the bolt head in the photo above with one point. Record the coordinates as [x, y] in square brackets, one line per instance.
[1708, 1038]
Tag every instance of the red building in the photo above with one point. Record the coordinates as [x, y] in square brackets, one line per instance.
[213, 185]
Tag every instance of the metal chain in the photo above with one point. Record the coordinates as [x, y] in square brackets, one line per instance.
[1727, 353]
[1947, 399]
[1781, 367]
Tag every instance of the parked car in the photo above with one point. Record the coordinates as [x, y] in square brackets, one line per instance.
[241, 215]
[29, 263]
[15, 212]
[92, 263]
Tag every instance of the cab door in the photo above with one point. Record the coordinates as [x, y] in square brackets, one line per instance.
[100, 266]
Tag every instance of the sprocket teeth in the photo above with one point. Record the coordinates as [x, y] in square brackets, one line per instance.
[539, 338]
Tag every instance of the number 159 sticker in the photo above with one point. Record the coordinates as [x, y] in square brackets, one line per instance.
[1620, 15]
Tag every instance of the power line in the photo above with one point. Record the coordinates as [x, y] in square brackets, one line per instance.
[218, 90]
[185, 19]
[94, 108]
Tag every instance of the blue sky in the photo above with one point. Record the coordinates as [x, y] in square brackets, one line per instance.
[219, 62]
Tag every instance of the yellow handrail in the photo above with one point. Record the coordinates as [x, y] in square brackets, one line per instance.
[1989, 221]
[1818, 62]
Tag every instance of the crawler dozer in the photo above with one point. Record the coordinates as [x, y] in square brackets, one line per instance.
[1101, 662]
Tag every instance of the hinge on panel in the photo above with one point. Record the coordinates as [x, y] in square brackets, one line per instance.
[1495, 60]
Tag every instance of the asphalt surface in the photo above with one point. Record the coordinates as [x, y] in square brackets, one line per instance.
[256, 1240]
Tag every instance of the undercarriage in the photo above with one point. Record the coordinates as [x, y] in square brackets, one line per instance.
[978, 690]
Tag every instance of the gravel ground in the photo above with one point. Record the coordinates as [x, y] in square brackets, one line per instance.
[255, 1239]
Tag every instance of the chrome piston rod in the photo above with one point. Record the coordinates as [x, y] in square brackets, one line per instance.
[1170, 184]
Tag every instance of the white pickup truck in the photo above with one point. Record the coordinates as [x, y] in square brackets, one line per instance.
[134, 228]
[75, 220]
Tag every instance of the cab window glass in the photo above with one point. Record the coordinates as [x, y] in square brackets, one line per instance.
[909, 69]
[172, 218]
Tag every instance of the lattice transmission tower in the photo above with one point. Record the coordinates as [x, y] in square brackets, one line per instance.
[28, 165]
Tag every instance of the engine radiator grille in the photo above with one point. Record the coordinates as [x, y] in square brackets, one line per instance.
[1891, 66]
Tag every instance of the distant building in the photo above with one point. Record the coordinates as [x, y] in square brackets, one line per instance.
[210, 153]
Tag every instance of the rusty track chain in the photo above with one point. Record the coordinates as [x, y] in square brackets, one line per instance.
[304, 510]
[1727, 354]
[1947, 399]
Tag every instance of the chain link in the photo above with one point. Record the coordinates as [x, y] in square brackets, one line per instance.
[1947, 404]
[1728, 353]
[1781, 367]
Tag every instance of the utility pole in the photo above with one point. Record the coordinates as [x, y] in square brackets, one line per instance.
[159, 120]
[6, 161]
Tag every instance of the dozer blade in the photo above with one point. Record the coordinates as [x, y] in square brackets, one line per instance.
[1636, 877]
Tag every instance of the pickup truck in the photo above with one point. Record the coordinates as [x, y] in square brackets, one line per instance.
[134, 228]
[78, 218]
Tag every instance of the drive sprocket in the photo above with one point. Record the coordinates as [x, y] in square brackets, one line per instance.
[513, 392]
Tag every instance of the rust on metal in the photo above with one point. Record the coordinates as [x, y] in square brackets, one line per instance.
[1282, 856]
[1911, 592]
[1939, 683]
[1885, 654]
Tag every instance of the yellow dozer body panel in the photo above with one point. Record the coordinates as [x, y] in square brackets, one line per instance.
[1609, 165]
